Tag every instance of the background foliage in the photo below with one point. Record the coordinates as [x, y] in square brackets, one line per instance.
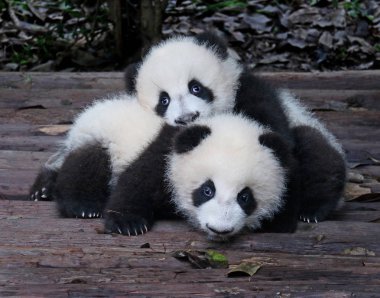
[284, 34]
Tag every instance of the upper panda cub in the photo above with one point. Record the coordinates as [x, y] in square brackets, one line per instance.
[184, 79]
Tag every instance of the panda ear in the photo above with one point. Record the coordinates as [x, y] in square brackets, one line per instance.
[130, 75]
[214, 42]
[189, 138]
[281, 148]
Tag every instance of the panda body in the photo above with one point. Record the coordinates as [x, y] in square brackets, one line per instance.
[250, 167]
[102, 142]
[208, 80]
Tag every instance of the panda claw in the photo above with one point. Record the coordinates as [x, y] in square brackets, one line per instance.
[315, 219]
[83, 214]
[118, 229]
[36, 193]
[129, 233]
[308, 220]
[146, 229]
[43, 189]
[141, 230]
[89, 215]
[135, 232]
[36, 200]
[44, 196]
[32, 197]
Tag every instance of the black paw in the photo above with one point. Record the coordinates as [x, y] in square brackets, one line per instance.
[42, 194]
[79, 209]
[125, 224]
[309, 219]
[43, 186]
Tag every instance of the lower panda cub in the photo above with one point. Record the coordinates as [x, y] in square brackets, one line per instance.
[225, 173]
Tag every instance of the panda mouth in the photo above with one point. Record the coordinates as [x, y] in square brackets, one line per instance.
[187, 118]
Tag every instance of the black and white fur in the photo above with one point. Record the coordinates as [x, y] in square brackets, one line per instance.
[103, 141]
[250, 169]
[187, 78]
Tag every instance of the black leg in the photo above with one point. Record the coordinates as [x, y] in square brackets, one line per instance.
[82, 185]
[42, 187]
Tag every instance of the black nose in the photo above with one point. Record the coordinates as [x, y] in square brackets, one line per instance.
[187, 118]
[222, 232]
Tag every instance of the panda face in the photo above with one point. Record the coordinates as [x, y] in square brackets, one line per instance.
[223, 179]
[183, 80]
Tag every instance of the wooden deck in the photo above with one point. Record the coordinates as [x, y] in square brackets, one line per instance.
[43, 255]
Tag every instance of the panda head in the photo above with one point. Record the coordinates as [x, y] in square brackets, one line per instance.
[185, 78]
[225, 174]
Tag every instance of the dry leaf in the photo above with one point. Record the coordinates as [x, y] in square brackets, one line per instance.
[54, 130]
[243, 269]
[358, 251]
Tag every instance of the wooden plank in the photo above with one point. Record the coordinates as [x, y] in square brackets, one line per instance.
[70, 256]
[54, 98]
[339, 80]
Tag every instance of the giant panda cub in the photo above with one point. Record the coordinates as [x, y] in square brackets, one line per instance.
[104, 139]
[223, 173]
[187, 78]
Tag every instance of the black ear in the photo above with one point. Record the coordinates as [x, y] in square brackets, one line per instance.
[281, 148]
[130, 77]
[213, 41]
[191, 137]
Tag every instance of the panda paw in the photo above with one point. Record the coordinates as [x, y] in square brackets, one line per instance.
[40, 195]
[309, 219]
[79, 209]
[125, 224]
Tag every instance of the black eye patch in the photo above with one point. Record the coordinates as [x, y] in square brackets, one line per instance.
[197, 89]
[163, 103]
[204, 193]
[246, 200]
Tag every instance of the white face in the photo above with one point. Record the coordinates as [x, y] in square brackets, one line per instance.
[182, 81]
[229, 180]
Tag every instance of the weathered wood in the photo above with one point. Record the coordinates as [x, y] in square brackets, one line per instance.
[55, 252]
[339, 80]
[44, 255]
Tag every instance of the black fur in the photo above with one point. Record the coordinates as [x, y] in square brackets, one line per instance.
[322, 173]
[212, 41]
[42, 187]
[258, 100]
[205, 93]
[130, 77]
[161, 108]
[82, 188]
[199, 195]
[140, 195]
[246, 200]
[190, 138]
[285, 221]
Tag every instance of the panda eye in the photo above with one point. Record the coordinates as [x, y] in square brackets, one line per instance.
[195, 89]
[203, 193]
[164, 99]
[208, 192]
[246, 200]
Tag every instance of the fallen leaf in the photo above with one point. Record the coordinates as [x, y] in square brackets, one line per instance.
[202, 259]
[54, 130]
[243, 269]
[358, 251]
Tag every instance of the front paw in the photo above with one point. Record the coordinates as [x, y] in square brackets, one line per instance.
[125, 224]
[79, 209]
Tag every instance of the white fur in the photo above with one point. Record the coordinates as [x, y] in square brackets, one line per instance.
[298, 114]
[119, 124]
[233, 158]
[172, 64]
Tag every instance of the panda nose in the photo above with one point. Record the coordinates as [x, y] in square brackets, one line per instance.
[220, 232]
[187, 118]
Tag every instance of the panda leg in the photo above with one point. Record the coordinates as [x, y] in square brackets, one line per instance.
[140, 194]
[82, 184]
[322, 174]
[41, 189]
